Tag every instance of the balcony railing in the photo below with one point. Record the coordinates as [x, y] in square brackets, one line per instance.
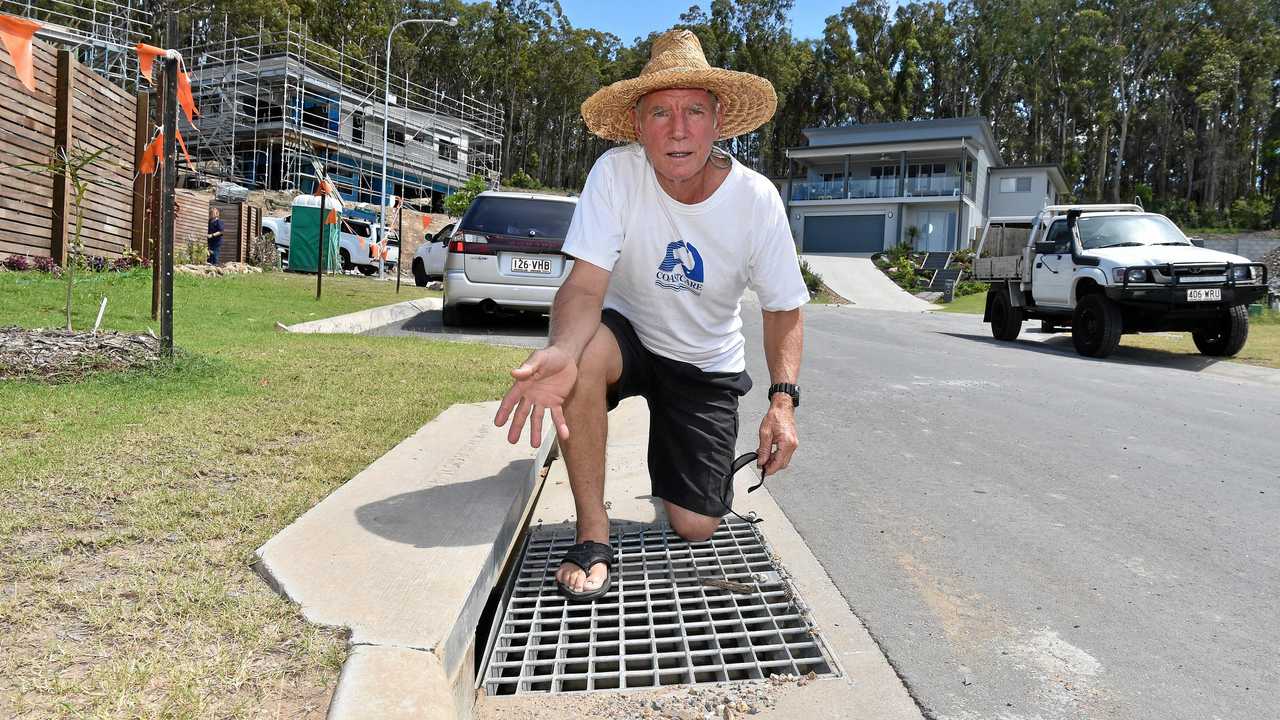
[859, 188]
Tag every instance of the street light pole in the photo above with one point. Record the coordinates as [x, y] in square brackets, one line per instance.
[386, 122]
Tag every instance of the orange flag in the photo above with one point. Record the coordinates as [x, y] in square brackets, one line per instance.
[152, 155]
[362, 243]
[426, 223]
[16, 33]
[184, 151]
[147, 55]
[332, 219]
[185, 99]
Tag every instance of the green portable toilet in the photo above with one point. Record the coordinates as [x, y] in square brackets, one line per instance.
[304, 234]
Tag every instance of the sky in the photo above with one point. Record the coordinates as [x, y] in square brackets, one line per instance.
[631, 18]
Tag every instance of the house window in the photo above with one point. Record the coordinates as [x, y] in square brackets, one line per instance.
[357, 128]
[1015, 184]
[447, 151]
[832, 176]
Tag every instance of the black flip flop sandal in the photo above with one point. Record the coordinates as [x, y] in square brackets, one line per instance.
[587, 555]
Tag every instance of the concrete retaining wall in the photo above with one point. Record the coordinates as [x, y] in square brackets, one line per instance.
[1248, 246]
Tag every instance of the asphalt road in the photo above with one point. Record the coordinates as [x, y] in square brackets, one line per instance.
[1031, 534]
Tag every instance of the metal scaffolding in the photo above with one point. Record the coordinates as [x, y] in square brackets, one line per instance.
[274, 105]
[102, 31]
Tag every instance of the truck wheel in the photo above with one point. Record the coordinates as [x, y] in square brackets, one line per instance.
[1226, 336]
[345, 258]
[419, 273]
[1006, 320]
[1097, 326]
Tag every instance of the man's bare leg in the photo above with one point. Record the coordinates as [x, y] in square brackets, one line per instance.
[587, 415]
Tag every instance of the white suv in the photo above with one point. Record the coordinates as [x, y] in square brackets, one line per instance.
[505, 254]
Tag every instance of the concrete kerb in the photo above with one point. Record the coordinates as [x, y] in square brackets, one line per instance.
[365, 320]
[405, 555]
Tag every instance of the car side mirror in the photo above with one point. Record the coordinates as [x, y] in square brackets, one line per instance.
[1047, 247]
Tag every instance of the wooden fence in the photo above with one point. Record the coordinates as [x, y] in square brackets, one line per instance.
[241, 223]
[71, 107]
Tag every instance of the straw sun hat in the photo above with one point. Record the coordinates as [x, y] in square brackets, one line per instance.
[677, 62]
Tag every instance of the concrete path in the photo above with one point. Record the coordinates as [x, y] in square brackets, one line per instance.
[869, 688]
[1032, 534]
[366, 320]
[855, 278]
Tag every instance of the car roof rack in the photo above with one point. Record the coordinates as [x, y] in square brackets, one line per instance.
[1118, 207]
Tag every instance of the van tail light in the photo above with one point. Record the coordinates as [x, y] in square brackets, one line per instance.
[469, 244]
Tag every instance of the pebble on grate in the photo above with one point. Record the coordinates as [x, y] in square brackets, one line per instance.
[676, 614]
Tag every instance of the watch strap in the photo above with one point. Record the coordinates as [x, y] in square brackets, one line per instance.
[788, 388]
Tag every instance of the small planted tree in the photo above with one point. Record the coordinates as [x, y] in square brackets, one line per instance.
[457, 203]
[72, 164]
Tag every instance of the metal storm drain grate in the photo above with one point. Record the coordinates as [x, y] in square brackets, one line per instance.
[677, 613]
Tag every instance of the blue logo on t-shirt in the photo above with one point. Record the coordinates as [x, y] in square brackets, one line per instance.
[681, 268]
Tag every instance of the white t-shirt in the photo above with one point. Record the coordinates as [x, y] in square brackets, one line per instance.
[679, 271]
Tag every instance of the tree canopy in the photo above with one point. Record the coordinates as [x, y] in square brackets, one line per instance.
[1174, 101]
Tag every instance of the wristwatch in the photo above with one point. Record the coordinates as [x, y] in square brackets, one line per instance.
[788, 388]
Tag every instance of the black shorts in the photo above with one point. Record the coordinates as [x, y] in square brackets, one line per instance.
[693, 421]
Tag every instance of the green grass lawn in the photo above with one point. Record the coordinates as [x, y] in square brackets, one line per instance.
[131, 503]
[1262, 348]
[975, 303]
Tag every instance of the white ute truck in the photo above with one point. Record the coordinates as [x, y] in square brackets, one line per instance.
[1106, 270]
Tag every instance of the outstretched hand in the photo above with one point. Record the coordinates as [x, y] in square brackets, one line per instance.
[542, 383]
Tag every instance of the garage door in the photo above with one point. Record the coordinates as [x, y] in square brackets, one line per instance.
[844, 233]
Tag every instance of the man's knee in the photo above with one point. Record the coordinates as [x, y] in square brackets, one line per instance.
[601, 361]
[691, 526]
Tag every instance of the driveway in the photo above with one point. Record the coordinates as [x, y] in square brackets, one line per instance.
[1030, 534]
[855, 278]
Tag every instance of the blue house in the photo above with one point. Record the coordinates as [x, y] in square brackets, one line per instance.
[863, 188]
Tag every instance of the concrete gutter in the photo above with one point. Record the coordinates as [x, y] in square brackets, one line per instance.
[365, 320]
[405, 555]
[869, 688]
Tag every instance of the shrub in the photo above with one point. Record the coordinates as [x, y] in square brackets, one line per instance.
[524, 181]
[46, 264]
[457, 203]
[195, 252]
[971, 287]
[899, 252]
[17, 263]
[903, 272]
[1251, 213]
[812, 280]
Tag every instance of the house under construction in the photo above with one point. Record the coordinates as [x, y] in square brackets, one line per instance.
[102, 32]
[275, 105]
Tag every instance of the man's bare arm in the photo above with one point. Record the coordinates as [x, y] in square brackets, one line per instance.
[783, 345]
[575, 314]
[545, 380]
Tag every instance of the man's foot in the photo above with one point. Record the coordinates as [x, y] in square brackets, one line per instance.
[584, 574]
